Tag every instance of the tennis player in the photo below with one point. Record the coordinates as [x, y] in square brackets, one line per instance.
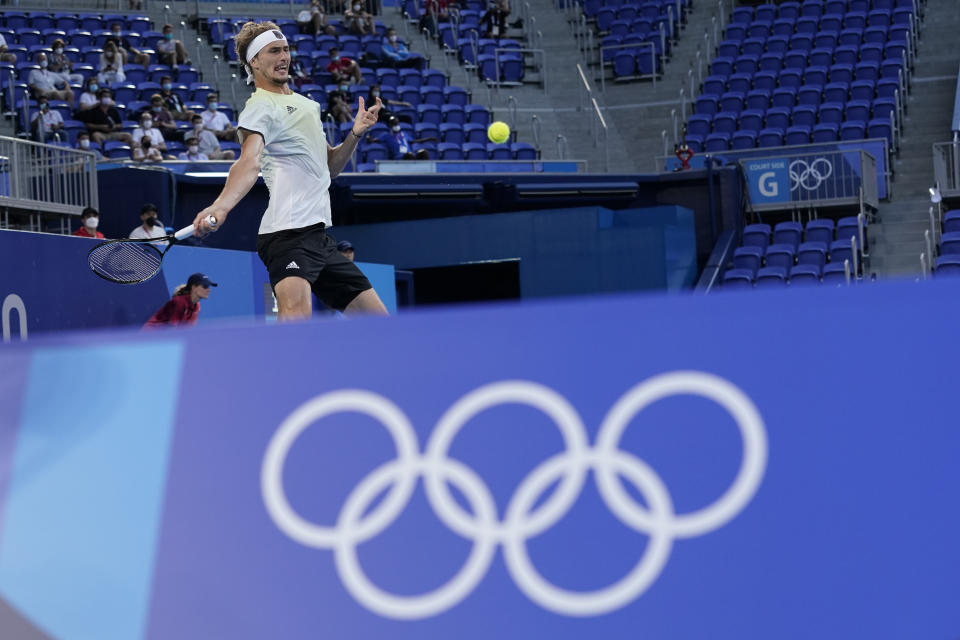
[282, 135]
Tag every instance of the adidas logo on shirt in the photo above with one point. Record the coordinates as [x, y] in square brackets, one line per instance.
[290, 109]
[293, 265]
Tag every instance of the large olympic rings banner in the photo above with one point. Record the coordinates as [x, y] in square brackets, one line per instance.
[732, 466]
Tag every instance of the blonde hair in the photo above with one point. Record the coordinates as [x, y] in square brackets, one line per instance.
[182, 290]
[247, 33]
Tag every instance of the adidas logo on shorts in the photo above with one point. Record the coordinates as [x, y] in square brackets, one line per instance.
[290, 109]
[293, 265]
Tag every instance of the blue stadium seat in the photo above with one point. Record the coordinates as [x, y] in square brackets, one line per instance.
[812, 253]
[789, 10]
[731, 101]
[757, 100]
[850, 37]
[714, 85]
[739, 83]
[717, 142]
[950, 243]
[523, 151]
[848, 227]
[449, 151]
[831, 112]
[753, 46]
[815, 75]
[429, 113]
[831, 22]
[788, 233]
[474, 151]
[948, 265]
[778, 118]
[804, 274]
[737, 279]
[841, 250]
[771, 62]
[777, 44]
[826, 39]
[790, 78]
[765, 80]
[721, 66]
[951, 221]
[765, 12]
[881, 128]
[808, 24]
[819, 230]
[836, 92]
[725, 122]
[747, 64]
[700, 124]
[867, 71]
[796, 135]
[784, 97]
[826, 132]
[833, 274]
[477, 114]
[771, 277]
[706, 105]
[751, 120]
[452, 133]
[475, 133]
[694, 142]
[756, 235]
[770, 138]
[499, 151]
[804, 115]
[744, 139]
[811, 94]
[453, 114]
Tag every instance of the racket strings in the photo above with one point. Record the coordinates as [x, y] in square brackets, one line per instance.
[126, 261]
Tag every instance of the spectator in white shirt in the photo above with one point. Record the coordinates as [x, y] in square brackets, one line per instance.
[44, 83]
[46, 124]
[6, 56]
[192, 153]
[151, 227]
[209, 145]
[170, 51]
[83, 143]
[146, 131]
[111, 65]
[217, 121]
[89, 99]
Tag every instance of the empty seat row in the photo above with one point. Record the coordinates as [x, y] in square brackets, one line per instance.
[812, 9]
[889, 67]
[752, 258]
[757, 90]
[813, 25]
[832, 273]
[823, 230]
[788, 108]
[801, 58]
[773, 138]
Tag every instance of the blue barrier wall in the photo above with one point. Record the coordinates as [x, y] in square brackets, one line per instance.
[633, 467]
[50, 275]
[561, 251]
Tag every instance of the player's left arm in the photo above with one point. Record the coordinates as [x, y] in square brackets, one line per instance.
[339, 156]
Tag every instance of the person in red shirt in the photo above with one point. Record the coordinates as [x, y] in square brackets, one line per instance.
[184, 307]
[89, 220]
[343, 68]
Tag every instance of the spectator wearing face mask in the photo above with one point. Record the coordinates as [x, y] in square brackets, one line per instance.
[338, 103]
[105, 123]
[162, 119]
[89, 220]
[88, 99]
[46, 124]
[397, 53]
[127, 52]
[147, 133]
[59, 63]
[343, 68]
[111, 65]
[150, 226]
[494, 21]
[436, 12]
[83, 143]
[172, 101]
[6, 56]
[171, 52]
[299, 75]
[358, 21]
[400, 145]
[313, 20]
[193, 150]
[217, 121]
[47, 84]
[209, 145]
[385, 113]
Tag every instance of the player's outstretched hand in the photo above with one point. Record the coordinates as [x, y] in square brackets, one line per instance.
[201, 224]
[366, 118]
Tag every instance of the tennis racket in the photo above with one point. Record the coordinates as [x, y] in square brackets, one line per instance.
[129, 261]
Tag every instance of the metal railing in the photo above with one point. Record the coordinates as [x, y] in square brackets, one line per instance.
[946, 166]
[47, 178]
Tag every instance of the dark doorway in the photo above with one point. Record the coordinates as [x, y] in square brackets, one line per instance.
[470, 282]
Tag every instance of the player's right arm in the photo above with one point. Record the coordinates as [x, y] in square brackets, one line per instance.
[241, 178]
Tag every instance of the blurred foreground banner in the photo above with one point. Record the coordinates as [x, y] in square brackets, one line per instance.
[776, 465]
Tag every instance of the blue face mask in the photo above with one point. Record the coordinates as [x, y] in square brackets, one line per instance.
[168, 36]
[94, 87]
[212, 106]
[156, 109]
[334, 58]
[167, 86]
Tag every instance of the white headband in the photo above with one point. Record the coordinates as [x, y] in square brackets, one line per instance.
[262, 40]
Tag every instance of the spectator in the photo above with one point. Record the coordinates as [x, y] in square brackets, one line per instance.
[128, 54]
[60, 64]
[435, 12]
[401, 146]
[147, 132]
[343, 68]
[171, 52]
[151, 226]
[6, 56]
[193, 153]
[358, 21]
[83, 143]
[313, 20]
[338, 103]
[346, 249]
[162, 119]
[384, 114]
[298, 73]
[216, 121]
[89, 99]
[89, 219]
[172, 100]
[397, 53]
[209, 145]
[111, 65]
[44, 83]
[494, 21]
[105, 123]
[46, 124]
[184, 307]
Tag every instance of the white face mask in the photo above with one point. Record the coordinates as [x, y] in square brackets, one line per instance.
[146, 124]
[393, 38]
[91, 222]
[58, 50]
[395, 129]
[193, 149]
[43, 64]
[84, 144]
[356, 7]
[106, 101]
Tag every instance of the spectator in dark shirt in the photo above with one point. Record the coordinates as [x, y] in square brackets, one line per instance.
[343, 68]
[104, 122]
[129, 54]
[184, 307]
[386, 112]
[400, 145]
[494, 21]
[162, 118]
[338, 103]
[172, 101]
[436, 12]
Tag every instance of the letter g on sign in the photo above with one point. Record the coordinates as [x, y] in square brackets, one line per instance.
[768, 185]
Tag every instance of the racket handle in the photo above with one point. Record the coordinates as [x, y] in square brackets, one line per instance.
[187, 231]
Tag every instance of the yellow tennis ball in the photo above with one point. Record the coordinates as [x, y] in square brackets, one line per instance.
[498, 132]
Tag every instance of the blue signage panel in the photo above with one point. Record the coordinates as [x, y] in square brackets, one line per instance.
[614, 469]
[768, 181]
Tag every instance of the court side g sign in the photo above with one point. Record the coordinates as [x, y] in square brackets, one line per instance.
[769, 181]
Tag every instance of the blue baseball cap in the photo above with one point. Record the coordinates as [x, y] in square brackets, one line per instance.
[200, 279]
[344, 245]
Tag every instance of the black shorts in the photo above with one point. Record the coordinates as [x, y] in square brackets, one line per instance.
[311, 253]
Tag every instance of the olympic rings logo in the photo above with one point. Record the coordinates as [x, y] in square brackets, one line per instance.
[811, 176]
[521, 521]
